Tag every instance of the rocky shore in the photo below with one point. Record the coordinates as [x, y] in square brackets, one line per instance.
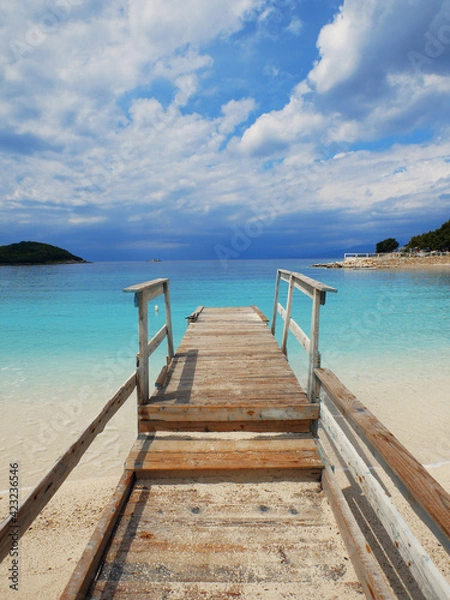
[390, 261]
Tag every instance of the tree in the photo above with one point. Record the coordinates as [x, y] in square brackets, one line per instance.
[439, 239]
[388, 245]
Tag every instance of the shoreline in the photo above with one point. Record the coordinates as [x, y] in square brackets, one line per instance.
[57, 538]
[389, 261]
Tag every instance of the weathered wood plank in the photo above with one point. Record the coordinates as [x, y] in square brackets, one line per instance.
[156, 340]
[234, 413]
[367, 569]
[91, 558]
[153, 288]
[221, 541]
[306, 284]
[424, 571]
[413, 480]
[274, 426]
[260, 314]
[51, 482]
[225, 455]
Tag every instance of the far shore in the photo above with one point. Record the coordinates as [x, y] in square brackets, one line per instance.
[389, 261]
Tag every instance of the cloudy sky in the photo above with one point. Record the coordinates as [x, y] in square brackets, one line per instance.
[218, 129]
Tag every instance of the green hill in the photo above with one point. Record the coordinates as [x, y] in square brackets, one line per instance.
[439, 239]
[36, 253]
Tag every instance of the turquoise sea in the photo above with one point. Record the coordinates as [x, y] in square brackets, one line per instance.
[66, 320]
[68, 334]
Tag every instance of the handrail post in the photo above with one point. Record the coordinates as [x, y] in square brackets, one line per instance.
[143, 388]
[168, 319]
[275, 303]
[288, 315]
[314, 354]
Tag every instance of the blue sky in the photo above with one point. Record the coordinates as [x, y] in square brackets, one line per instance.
[209, 129]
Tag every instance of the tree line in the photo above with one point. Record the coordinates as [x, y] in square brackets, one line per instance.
[433, 241]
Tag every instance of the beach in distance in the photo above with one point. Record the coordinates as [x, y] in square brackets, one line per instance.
[69, 341]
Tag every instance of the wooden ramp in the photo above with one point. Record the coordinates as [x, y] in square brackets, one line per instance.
[228, 374]
[222, 480]
[206, 538]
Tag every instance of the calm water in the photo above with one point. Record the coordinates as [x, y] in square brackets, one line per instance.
[68, 328]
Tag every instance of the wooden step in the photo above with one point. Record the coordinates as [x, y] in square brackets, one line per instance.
[258, 417]
[151, 455]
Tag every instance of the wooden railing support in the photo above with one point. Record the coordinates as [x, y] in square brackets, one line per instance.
[317, 292]
[143, 293]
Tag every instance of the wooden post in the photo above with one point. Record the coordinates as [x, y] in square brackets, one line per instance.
[288, 315]
[275, 304]
[314, 355]
[168, 319]
[142, 360]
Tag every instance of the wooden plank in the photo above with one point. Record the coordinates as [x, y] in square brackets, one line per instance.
[226, 413]
[91, 558]
[260, 314]
[156, 340]
[366, 567]
[193, 540]
[416, 484]
[300, 335]
[178, 444]
[291, 426]
[153, 288]
[51, 482]
[424, 571]
[287, 316]
[170, 348]
[224, 455]
[142, 372]
[306, 284]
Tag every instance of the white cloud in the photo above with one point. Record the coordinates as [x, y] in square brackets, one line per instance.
[91, 143]
[295, 26]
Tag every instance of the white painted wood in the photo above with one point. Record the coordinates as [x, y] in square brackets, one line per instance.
[275, 303]
[424, 571]
[156, 341]
[312, 390]
[142, 366]
[369, 572]
[170, 348]
[287, 316]
[306, 284]
[154, 288]
[300, 335]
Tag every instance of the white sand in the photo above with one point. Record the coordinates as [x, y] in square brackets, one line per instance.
[415, 408]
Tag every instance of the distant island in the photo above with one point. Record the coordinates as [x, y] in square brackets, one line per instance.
[36, 253]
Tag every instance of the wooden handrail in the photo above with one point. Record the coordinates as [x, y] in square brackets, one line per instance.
[78, 585]
[428, 577]
[306, 284]
[426, 496]
[143, 293]
[317, 292]
[153, 286]
[52, 481]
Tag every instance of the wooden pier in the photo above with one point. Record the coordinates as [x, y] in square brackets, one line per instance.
[198, 512]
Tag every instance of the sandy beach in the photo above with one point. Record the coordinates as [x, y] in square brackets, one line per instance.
[51, 548]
